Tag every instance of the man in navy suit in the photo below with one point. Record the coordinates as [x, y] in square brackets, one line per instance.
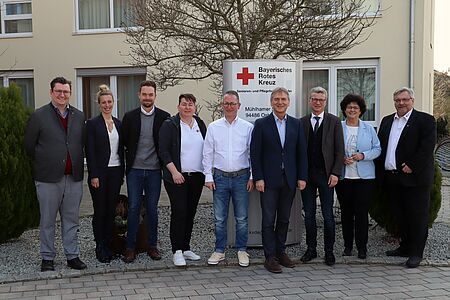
[406, 170]
[279, 165]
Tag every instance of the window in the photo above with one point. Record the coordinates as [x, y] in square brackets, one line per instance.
[123, 82]
[15, 18]
[24, 80]
[340, 78]
[102, 14]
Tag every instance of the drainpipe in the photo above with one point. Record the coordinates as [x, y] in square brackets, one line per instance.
[412, 42]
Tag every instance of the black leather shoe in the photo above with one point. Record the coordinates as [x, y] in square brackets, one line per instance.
[362, 254]
[397, 252]
[272, 265]
[309, 255]
[285, 261]
[47, 265]
[347, 252]
[330, 260]
[76, 264]
[413, 262]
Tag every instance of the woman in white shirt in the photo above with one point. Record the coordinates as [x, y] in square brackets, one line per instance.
[180, 149]
[356, 188]
[104, 156]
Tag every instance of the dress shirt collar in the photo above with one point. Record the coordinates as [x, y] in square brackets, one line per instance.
[406, 116]
[319, 115]
[64, 114]
[148, 113]
[278, 119]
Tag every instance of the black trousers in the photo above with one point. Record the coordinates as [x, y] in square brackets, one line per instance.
[104, 200]
[276, 205]
[183, 204]
[354, 196]
[410, 206]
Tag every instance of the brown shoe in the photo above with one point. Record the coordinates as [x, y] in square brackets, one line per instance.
[154, 254]
[285, 261]
[272, 265]
[129, 256]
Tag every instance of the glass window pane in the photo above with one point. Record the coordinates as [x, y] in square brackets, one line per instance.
[1, 82]
[90, 89]
[18, 8]
[26, 86]
[122, 10]
[127, 93]
[93, 14]
[359, 81]
[18, 26]
[313, 78]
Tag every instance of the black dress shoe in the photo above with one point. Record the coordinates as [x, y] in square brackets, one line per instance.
[47, 265]
[362, 254]
[309, 255]
[413, 262]
[76, 264]
[272, 265]
[330, 260]
[347, 252]
[285, 261]
[397, 252]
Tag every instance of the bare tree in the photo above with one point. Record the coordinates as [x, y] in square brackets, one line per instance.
[189, 39]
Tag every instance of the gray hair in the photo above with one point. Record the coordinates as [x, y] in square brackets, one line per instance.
[410, 91]
[232, 93]
[318, 90]
[279, 90]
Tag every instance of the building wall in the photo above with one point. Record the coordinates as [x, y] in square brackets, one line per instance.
[57, 49]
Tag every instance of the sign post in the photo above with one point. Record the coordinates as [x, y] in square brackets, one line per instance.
[254, 81]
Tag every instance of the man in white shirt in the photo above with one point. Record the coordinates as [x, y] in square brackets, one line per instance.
[406, 170]
[226, 164]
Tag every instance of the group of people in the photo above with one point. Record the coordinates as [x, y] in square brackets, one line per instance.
[276, 156]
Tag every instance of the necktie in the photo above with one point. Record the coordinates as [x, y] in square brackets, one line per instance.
[316, 126]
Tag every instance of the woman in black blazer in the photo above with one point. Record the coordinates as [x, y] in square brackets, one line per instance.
[181, 151]
[104, 156]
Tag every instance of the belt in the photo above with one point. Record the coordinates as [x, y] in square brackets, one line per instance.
[393, 172]
[191, 173]
[231, 174]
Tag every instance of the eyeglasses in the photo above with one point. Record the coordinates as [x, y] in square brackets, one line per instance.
[230, 104]
[59, 92]
[317, 100]
[356, 107]
[402, 100]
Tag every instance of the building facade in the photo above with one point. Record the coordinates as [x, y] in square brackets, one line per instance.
[82, 40]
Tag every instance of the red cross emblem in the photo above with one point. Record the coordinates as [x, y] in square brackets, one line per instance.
[245, 76]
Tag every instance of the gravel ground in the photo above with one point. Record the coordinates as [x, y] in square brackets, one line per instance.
[20, 259]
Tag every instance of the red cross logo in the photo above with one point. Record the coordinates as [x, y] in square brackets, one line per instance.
[245, 76]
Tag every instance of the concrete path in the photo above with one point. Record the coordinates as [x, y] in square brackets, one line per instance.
[311, 281]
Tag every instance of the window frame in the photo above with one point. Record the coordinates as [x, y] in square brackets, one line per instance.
[333, 66]
[4, 18]
[111, 28]
[8, 75]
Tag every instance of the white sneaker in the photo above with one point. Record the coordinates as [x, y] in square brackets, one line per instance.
[191, 255]
[215, 258]
[243, 258]
[178, 259]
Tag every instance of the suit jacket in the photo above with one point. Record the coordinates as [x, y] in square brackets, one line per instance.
[47, 143]
[131, 130]
[170, 143]
[415, 148]
[268, 156]
[98, 148]
[332, 142]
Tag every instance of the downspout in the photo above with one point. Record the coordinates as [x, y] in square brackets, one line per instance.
[412, 42]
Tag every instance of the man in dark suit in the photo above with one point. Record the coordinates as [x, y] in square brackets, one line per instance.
[406, 170]
[140, 128]
[54, 138]
[325, 142]
[279, 165]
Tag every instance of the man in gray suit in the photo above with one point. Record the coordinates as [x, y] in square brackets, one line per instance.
[54, 138]
[325, 142]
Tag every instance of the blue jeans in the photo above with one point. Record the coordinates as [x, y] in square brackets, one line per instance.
[319, 181]
[149, 181]
[236, 188]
